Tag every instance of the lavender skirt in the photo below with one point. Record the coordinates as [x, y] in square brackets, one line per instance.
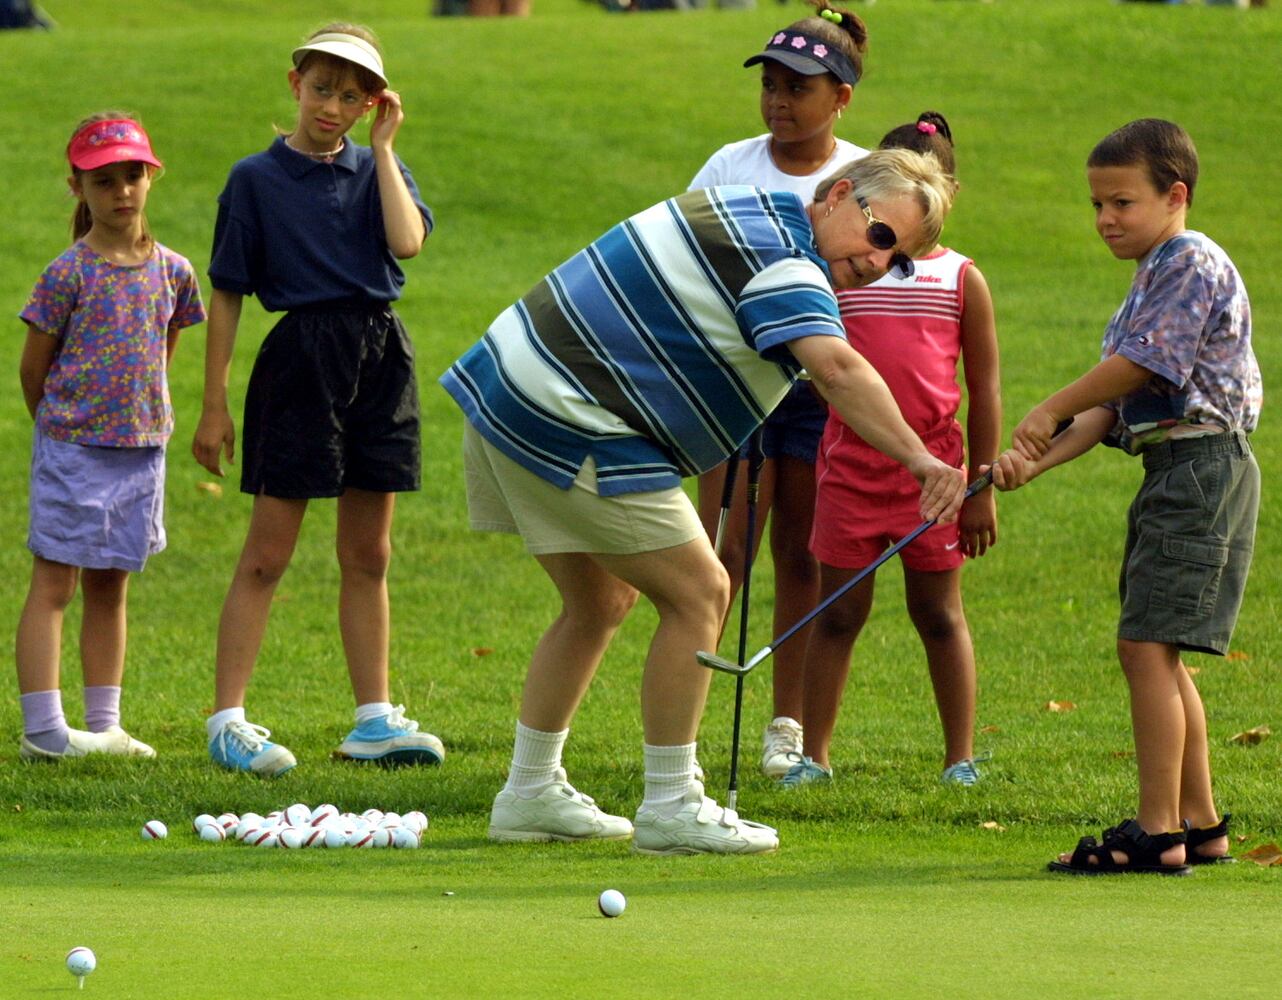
[97, 508]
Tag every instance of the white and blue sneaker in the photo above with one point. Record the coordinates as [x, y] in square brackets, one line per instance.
[964, 772]
[804, 771]
[392, 739]
[242, 746]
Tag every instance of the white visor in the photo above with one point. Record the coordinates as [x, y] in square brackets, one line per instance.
[350, 47]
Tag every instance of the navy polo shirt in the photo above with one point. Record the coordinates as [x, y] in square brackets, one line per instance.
[294, 231]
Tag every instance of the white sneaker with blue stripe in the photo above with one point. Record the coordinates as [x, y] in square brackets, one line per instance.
[392, 739]
[964, 772]
[243, 746]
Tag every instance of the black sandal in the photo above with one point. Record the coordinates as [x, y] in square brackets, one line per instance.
[1199, 836]
[1143, 852]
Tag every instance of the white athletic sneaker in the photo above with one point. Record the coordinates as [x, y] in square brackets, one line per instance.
[556, 811]
[781, 738]
[80, 743]
[137, 748]
[700, 826]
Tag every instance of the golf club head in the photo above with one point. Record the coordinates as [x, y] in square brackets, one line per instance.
[715, 662]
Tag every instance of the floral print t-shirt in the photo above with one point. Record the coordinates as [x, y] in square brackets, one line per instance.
[1187, 319]
[107, 385]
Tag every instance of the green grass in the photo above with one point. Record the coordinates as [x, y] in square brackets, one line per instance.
[528, 139]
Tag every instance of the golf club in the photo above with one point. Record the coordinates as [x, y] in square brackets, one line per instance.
[727, 498]
[715, 662]
[756, 458]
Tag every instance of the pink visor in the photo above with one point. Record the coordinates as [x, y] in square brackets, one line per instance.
[114, 141]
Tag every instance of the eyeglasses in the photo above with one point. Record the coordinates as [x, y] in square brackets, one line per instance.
[881, 236]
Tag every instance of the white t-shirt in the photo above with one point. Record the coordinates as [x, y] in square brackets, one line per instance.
[748, 161]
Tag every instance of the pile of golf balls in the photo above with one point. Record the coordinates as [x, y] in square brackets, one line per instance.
[300, 825]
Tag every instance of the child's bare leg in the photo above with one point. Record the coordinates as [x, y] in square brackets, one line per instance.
[1197, 802]
[364, 554]
[38, 649]
[935, 607]
[103, 627]
[828, 658]
[1152, 672]
[796, 578]
[593, 605]
[269, 545]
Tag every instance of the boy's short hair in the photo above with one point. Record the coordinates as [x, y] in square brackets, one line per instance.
[1163, 148]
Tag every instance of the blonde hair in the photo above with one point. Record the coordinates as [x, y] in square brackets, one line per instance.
[887, 174]
[82, 218]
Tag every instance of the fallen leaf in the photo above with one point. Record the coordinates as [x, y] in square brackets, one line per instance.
[1240, 838]
[1237, 654]
[1193, 671]
[482, 650]
[1252, 736]
[992, 824]
[1264, 855]
[991, 729]
[17, 807]
[1122, 754]
[1060, 706]
[213, 489]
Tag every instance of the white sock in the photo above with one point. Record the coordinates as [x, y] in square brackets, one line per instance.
[219, 719]
[669, 773]
[372, 710]
[536, 756]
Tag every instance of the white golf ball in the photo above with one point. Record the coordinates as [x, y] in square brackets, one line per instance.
[405, 837]
[360, 838]
[263, 838]
[611, 903]
[415, 820]
[314, 837]
[228, 821]
[335, 836]
[372, 816]
[322, 814]
[298, 814]
[81, 961]
[213, 833]
[201, 821]
[153, 829]
[248, 826]
[291, 837]
[391, 819]
[381, 837]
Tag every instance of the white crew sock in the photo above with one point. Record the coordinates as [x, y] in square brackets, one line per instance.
[536, 756]
[219, 719]
[669, 773]
[372, 710]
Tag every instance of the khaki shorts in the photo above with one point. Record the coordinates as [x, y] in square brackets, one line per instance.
[504, 496]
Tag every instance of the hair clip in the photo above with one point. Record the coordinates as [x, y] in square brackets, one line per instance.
[830, 15]
[927, 127]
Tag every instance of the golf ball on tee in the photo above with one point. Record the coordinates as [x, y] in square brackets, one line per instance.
[611, 903]
[81, 961]
[153, 829]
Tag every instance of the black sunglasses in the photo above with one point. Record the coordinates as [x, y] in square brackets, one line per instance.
[881, 236]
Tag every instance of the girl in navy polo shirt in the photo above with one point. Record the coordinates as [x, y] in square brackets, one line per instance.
[314, 226]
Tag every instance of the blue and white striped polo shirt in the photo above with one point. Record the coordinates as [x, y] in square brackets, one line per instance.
[657, 349]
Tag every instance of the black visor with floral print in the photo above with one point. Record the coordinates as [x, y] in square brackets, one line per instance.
[807, 55]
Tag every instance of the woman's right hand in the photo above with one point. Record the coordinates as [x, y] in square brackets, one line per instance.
[215, 434]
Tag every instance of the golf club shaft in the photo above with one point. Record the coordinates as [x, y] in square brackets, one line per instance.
[755, 460]
[719, 663]
[727, 499]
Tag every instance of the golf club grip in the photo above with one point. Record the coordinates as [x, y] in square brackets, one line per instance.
[986, 480]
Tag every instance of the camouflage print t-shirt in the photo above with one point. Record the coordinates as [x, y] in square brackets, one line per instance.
[1187, 319]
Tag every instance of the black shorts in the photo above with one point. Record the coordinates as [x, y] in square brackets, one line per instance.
[332, 404]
